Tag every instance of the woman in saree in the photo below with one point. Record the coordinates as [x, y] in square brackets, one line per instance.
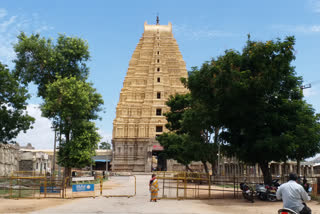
[154, 188]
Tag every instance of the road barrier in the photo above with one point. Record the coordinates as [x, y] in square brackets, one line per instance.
[195, 185]
[31, 187]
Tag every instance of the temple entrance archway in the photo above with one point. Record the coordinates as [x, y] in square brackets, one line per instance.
[159, 161]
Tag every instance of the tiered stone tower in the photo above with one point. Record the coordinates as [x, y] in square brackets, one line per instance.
[153, 75]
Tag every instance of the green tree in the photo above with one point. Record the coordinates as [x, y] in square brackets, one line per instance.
[71, 104]
[13, 98]
[39, 60]
[190, 137]
[305, 133]
[105, 145]
[253, 97]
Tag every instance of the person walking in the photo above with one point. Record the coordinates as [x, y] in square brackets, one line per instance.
[293, 195]
[154, 188]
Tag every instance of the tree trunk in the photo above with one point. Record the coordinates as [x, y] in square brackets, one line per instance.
[298, 167]
[267, 178]
[214, 167]
[284, 171]
[67, 173]
[188, 168]
[205, 166]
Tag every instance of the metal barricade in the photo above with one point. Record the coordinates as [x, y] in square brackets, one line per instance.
[31, 187]
[194, 185]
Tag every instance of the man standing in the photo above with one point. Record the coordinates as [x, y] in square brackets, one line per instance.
[294, 195]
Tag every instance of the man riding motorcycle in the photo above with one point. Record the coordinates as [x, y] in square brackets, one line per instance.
[293, 195]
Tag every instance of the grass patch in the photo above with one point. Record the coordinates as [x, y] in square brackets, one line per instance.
[226, 185]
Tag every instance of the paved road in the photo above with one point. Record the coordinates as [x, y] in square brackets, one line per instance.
[139, 204]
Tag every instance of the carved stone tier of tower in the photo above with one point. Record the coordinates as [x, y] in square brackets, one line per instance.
[153, 75]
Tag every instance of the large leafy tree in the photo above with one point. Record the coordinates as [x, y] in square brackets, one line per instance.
[40, 60]
[59, 71]
[72, 104]
[13, 98]
[254, 97]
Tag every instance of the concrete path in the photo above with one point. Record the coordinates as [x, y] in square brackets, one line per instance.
[136, 205]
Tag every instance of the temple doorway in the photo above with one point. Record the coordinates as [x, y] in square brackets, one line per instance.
[159, 160]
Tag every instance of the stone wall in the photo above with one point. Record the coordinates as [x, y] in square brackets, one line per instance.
[26, 165]
[8, 159]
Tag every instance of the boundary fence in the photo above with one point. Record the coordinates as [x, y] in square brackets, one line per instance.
[194, 185]
[32, 187]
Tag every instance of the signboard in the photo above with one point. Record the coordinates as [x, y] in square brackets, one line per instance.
[82, 187]
[157, 148]
[50, 189]
[91, 178]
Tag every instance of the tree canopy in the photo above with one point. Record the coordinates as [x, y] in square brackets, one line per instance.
[13, 97]
[60, 72]
[39, 60]
[191, 133]
[105, 145]
[72, 104]
[255, 98]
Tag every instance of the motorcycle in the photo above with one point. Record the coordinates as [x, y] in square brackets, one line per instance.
[261, 192]
[271, 193]
[266, 192]
[286, 211]
[247, 192]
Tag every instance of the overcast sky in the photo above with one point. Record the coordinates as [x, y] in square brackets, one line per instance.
[203, 29]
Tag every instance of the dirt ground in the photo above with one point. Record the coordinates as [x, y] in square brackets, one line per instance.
[140, 204]
[258, 207]
[28, 205]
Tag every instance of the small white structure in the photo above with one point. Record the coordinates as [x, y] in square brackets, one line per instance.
[35, 161]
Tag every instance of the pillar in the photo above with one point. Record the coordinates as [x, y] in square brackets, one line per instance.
[280, 169]
[256, 170]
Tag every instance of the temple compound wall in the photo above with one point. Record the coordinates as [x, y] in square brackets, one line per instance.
[154, 74]
[9, 155]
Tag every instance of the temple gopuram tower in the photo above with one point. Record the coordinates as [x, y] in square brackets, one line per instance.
[153, 75]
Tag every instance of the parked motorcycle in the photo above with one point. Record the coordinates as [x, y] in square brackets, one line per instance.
[247, 192]
[271, 193]
[261, 192]
[286, 211]
[266, 192]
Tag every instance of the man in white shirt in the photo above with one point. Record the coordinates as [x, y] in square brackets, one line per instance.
[293, 195]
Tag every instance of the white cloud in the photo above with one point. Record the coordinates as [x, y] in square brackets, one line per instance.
[197, 34]
[307, 29]
[3, 13]
[315, 5]
[5, 24]
[41, 136]
[11, 26]
[106, 137]
[310, 92]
